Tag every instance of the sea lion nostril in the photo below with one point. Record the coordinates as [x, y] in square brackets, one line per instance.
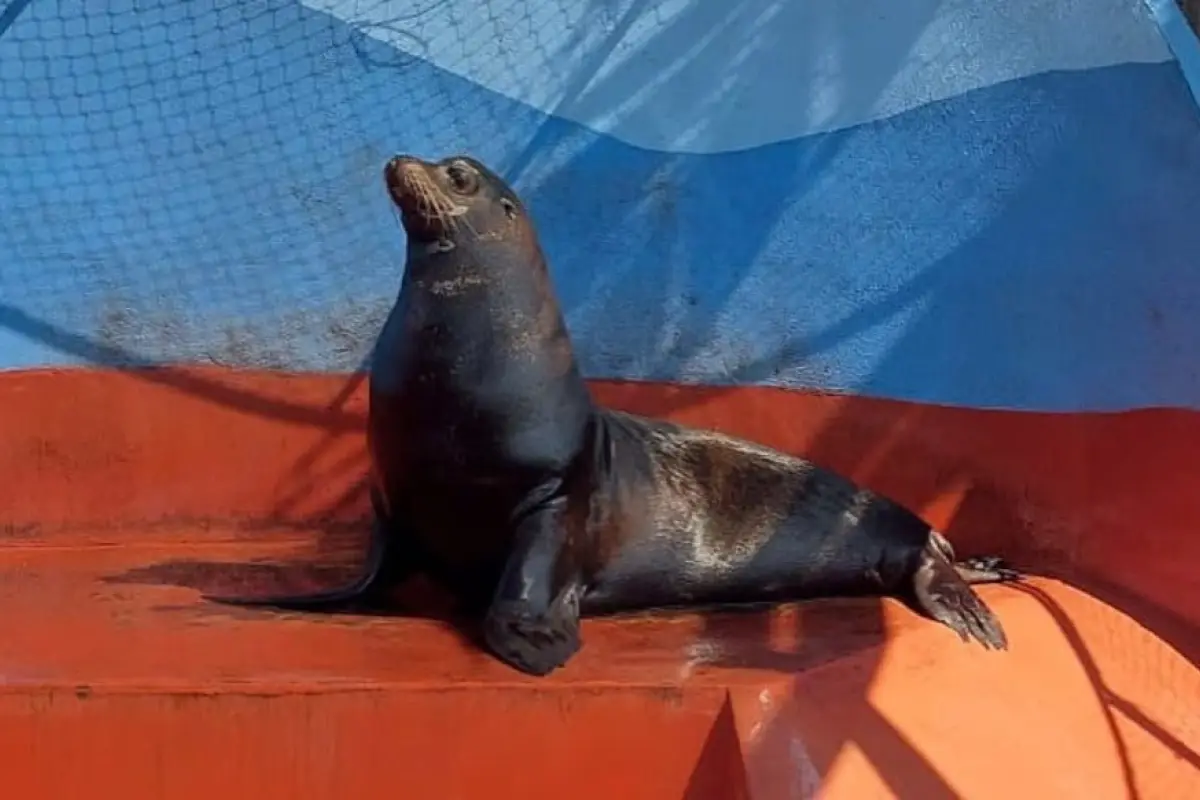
[396, 166]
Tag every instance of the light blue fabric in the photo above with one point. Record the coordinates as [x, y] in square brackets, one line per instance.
[1179, 35]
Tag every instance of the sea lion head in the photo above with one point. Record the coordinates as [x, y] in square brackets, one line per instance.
[453, 201]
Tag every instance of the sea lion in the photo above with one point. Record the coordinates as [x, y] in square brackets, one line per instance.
[495, 471]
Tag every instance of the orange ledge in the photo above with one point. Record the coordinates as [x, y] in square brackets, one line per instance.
[125, 494]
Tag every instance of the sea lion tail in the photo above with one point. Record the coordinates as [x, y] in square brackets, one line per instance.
[376, 557]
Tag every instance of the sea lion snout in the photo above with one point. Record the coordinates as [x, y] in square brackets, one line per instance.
[399, 174]
[425, 210]
[401, 161]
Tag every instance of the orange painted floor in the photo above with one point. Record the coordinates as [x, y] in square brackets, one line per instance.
[112, 665]
[125, 496]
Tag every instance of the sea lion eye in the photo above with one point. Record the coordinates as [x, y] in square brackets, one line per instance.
[510, 208]
[462, 179]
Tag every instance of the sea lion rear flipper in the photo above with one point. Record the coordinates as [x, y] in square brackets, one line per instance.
[944, 594]
[980, 569]
[533, 622]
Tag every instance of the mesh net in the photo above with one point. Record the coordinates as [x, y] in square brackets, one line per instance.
[202, 182]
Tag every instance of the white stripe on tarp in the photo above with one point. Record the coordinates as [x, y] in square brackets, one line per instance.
[703, 76]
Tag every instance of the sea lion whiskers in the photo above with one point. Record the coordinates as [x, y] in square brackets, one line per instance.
[430, 199]
[434, 201]
[415, 182]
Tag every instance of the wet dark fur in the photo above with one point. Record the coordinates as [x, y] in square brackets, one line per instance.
[496, 473]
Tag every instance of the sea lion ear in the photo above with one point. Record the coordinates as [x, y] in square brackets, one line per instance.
[510, 208]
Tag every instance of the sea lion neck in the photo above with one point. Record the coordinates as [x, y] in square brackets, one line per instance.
[483, 261]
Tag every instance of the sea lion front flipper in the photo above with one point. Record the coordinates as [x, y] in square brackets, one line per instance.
[388, 562]
[533, 622]
[942, 593]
